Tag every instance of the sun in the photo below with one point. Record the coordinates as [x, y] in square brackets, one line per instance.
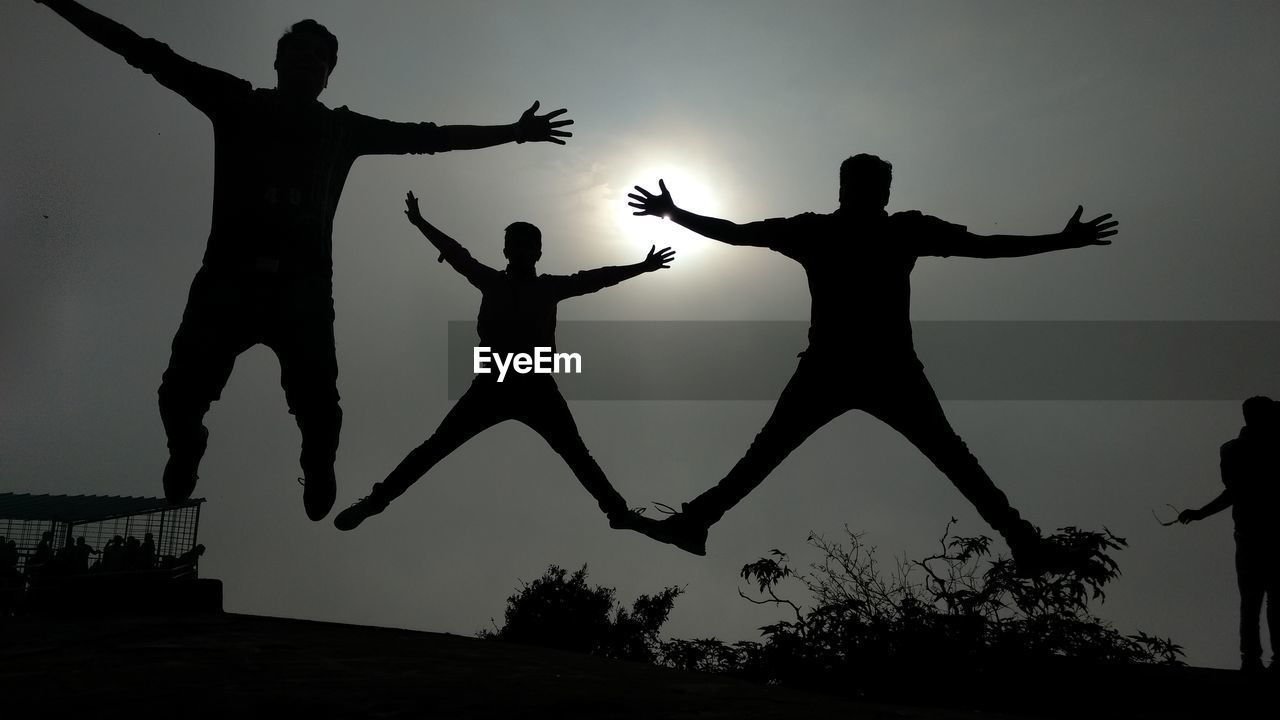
[690, 190]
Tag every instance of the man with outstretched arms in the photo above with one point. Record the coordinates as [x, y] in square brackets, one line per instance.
[280, 161]
[517, 317]
[858, 261]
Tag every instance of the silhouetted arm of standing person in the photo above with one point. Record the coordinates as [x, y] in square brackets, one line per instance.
[451, 251]
[1230, 474]
[1215, 506]
[200, 85]
[586, 282]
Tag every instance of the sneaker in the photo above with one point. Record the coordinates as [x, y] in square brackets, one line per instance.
[319, 491]
[680, 529]
[180, 471]
[629, 519]
[363, 508]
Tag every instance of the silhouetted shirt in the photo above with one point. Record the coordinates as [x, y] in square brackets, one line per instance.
[279, 164]
[859, 272]
[518, 314]
[1251, 472]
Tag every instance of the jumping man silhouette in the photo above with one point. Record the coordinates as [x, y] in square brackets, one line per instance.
[517, 315]
[858, 260]
[280, 161]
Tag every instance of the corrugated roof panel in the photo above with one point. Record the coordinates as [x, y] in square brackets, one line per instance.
[77, 508]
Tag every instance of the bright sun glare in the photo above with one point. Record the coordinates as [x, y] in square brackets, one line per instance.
[689, 190]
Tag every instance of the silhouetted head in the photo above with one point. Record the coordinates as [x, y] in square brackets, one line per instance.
[864, 184]
[305, 56]
[523, 245]
[1259, 411]
[80, 540]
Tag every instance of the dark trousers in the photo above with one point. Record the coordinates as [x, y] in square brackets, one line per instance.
[534, 400]
[1258, 576]
[824, 387]
[228, 313]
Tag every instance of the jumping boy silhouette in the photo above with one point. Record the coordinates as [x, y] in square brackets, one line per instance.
[858, 260]
[517, 315]
[280, 161]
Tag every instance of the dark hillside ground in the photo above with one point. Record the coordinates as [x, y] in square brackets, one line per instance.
[221, 665]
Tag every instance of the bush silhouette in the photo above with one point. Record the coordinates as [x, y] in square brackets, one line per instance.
[562, 611]
[941, 612]
[943, 621]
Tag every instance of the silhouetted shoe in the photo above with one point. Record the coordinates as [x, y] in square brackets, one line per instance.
[1034, 555]
[1254, 665]
[362, 509]
[681, 529]
[180, 471]
[633, 519]
[319, 491]
[626, 518]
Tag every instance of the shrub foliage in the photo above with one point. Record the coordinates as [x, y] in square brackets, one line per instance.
[958, 608]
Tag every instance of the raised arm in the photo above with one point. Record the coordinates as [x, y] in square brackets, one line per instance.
[384, 137]
[589, 281]
[451, 251]
[661, 205]
[201, 86]
[101, 29]
[1076, 234]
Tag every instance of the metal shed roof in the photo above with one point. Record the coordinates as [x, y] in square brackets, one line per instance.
[80, 508]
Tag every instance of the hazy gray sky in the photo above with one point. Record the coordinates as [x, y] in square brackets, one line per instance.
[998, 115]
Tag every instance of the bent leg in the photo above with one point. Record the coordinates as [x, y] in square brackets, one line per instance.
[810, 400]
[301, 334]
[907, 402]
[212, 333]
[547, 413]
[478, 409]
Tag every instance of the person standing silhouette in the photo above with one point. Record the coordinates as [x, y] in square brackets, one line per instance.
[1250, 466]
[517, 315]
[858, 261]
[281, 158]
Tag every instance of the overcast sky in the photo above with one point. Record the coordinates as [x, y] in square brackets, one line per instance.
[1002, 116]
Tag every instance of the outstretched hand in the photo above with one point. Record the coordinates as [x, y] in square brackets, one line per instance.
[415, 216]
[540, 128]
[1188, 516]
[647, 203]
[1079, 234]
[658, 259]
[411, 208]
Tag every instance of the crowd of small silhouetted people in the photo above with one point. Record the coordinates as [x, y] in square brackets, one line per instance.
[120, 554]
[126, 558]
